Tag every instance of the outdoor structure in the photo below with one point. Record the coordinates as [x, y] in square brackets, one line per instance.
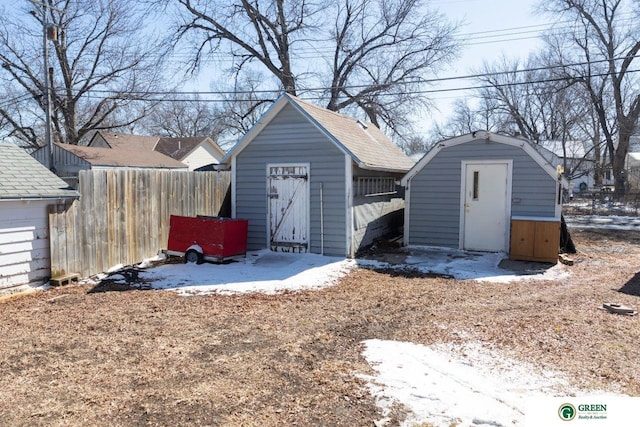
[312, 180]
[466, 192]
[632, 163]
[69, 160]
[27, 188]
[195, 152]
[578, 160]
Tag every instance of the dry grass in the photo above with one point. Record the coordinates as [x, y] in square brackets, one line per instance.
[74, 357]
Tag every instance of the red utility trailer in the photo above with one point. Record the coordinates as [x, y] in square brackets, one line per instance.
[207, 238]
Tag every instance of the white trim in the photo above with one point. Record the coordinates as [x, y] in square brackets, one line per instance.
[407, 216]
[348, 176]
[508, 195]
[234, 181]
[268, 190]
[558, 211]
[488, 136]
[270, 114]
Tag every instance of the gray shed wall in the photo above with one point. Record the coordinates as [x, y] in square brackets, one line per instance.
[435, 191]
[291, 138]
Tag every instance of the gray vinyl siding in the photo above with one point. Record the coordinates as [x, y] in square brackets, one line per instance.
[291, 138]
[435, 191]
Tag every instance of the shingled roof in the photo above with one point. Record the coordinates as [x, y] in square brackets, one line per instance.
[178, 148]
[123, 157]
[128, 141]
[364, 142]
[23, 177]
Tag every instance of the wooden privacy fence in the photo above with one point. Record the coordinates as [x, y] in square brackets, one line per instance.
[122, 216]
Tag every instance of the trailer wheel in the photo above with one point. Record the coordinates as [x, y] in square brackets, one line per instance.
[193, 256]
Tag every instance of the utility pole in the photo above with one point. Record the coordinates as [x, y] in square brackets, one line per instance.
[48, 33]
[47, 89]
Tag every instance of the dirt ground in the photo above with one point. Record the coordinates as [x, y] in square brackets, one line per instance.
[82, 355]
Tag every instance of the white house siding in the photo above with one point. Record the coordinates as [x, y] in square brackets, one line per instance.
[24, 243]
[434, 193]
[204, 154]
[291, 139]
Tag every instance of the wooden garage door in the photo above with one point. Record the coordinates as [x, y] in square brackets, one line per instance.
[288, 208]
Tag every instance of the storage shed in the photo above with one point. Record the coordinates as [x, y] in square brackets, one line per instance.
[312, 180]
[26, 190]
[468, 192]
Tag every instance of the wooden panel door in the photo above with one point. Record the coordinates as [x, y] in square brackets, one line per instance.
[522, 238]
[288, 208]
[547, 241]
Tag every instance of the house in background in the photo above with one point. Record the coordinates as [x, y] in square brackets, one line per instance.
[312, 180]
[27, 188]
[577, 158]
[69, 160]
[194, 152]
[632, 163]
[466, 192]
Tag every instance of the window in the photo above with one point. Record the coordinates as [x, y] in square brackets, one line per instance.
[476, 184]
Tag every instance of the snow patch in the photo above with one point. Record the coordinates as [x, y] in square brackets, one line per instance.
[445, 384]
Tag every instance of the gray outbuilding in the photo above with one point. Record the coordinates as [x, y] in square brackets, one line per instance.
[312, 180]
[468, 191]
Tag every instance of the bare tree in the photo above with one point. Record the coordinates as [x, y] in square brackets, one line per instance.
[382, 50]
[599, 55]
[249, 30]
[486, 114]
[101, 66]
[181, 118]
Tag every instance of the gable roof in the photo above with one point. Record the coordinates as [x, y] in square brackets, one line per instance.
[127, 141]
[362, 141]
[178, 148]
[488, 136]
[122, 157]
[23, 177]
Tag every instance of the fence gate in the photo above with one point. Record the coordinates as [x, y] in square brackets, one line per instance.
[288, 208]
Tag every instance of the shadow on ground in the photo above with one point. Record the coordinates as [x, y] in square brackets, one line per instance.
[632, 287]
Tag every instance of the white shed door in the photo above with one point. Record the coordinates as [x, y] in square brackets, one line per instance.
[485, 207]
[288, 208]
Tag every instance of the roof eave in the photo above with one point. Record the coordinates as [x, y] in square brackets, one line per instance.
[76, 195]
[382, 169]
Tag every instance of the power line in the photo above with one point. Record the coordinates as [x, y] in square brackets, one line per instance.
[143, 96]
[419, 81]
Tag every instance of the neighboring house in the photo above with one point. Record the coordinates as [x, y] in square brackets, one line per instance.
[312, 180]
[69, 160]
[465, 192]
[577, 159]
[632, 163]
[27, 188]
[194, 152]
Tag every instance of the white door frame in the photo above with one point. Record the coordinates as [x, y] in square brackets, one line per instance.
[463, 190]
[268, 190]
